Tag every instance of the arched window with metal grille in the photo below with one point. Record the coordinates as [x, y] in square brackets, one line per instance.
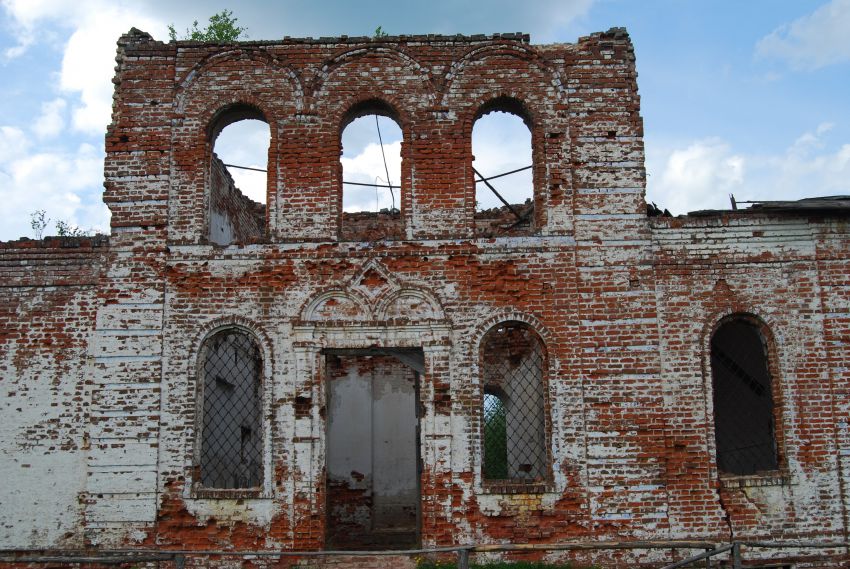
[514, 437]
[744, 411]
[230, 441]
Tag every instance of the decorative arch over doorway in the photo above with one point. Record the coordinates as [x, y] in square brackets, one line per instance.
[376, 374]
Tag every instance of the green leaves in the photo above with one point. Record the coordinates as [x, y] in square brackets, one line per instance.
[222, 28]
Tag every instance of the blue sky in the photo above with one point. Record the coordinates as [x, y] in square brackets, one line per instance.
[748, 98]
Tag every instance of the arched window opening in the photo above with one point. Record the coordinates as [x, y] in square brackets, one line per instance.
[239, 176]
[502, 160]
[744, 417]
[370, 162]
[513, 413]
[231, 430]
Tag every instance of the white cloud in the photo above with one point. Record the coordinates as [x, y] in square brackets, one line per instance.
[246, 143]
[89, 54]
[29, 12]
[67, 185]
[809, 140]
[705, 172]
[699, 176]
[367, 167]
[51, 121]
[500, 143]
[813, 41]
[66, 179]
[28, 18]
[805, 169]
[87, 67]
[13, 143]
[252, 184]
[16, 51]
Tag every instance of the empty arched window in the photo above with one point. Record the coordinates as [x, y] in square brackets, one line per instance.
[502, 165]
[239, 139]
[231, 430]
[514, 411]
[370, 160]
[744, 417]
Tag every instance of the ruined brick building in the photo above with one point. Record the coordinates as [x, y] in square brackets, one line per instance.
[221, 374]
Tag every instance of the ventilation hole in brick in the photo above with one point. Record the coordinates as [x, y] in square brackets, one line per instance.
[124, 138]
[612, 134]
[302, 406]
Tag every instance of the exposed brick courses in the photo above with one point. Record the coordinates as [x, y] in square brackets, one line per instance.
[100, 337]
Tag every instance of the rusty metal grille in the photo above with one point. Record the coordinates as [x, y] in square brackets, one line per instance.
[514, 426]
[744, 424]
[231, 439]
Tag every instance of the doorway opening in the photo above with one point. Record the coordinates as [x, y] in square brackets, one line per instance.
[373, 460]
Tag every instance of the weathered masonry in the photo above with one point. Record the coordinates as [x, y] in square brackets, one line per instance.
[224, 374]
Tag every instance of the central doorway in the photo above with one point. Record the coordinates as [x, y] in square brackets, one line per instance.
[373, 488]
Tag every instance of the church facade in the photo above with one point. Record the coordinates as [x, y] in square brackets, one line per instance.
[220, 374]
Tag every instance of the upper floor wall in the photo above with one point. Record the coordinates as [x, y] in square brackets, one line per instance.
[579, 101]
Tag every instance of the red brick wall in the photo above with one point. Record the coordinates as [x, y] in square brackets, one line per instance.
[234, 217]
[623, 304]
[48, 306]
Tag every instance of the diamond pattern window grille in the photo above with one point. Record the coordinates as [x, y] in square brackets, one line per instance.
[231, 439]
[744, 424]
[514, 428]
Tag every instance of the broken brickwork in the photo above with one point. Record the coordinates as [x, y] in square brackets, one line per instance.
[102, 341]
[233, 216]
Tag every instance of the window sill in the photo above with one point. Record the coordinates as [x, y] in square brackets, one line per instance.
[738, 481]
[516, 487]
[227, 494]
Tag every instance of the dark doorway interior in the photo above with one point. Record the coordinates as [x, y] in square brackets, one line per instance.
[373, 449]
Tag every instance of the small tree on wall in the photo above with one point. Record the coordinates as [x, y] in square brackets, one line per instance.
[39, 222]
[222, 28]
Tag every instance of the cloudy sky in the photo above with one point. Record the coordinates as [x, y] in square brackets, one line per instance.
[748, 98]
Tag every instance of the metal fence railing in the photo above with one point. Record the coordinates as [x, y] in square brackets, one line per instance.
[732, 553]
